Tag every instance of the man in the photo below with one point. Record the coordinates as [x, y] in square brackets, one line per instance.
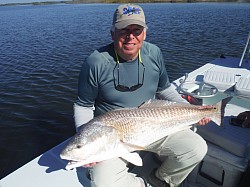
[127, 73]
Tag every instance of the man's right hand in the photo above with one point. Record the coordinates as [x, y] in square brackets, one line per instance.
[90, 165]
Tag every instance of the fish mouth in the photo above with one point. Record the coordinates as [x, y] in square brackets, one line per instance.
[69, 158]
[74, 164]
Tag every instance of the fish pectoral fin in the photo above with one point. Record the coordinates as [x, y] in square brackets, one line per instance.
[132, 147]
[133, 158]
[178, 129]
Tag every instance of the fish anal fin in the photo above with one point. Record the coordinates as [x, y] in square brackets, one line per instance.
[179, 129]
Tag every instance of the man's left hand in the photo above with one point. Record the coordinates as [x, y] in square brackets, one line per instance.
[194, 101]
[204, 121]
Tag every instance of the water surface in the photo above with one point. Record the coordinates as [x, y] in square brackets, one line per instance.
[42, 49]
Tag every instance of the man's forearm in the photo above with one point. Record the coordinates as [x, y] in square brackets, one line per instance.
[171, 94]
[82, 115]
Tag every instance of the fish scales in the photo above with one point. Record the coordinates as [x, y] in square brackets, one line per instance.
[119, 132]
[143, 122]
[134, 128]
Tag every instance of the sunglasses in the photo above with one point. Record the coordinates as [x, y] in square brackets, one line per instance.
[123, 88]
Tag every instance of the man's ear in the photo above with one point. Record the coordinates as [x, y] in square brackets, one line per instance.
[145, 34]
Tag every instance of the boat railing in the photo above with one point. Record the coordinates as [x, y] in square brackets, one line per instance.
[244, 52]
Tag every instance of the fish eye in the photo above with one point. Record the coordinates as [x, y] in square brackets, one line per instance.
[78, 146]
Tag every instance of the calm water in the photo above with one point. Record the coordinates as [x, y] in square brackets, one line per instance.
[42, 49]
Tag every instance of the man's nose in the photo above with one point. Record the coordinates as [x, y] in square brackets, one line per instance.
[130, 35]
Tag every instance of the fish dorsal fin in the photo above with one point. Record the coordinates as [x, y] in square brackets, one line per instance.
[158, 103]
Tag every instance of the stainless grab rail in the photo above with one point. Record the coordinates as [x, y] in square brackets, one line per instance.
[243, 54]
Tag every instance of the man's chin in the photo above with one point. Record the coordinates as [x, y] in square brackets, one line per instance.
[130, 51]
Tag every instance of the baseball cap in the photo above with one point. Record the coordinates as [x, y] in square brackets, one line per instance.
[128, 14]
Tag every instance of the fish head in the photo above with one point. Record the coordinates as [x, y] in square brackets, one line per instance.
[91, 144]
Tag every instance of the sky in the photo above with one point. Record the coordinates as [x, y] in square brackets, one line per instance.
[23, 1]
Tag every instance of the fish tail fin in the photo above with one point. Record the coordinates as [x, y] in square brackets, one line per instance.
[217, 118]
[220, 111]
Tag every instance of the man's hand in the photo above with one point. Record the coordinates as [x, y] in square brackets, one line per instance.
[192, 100]
[204, 121]
[195, 101]
[90, 165]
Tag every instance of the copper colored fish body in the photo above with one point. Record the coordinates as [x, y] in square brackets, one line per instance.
[120, 132]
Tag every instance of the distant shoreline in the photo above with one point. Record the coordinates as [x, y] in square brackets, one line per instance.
[123, 1]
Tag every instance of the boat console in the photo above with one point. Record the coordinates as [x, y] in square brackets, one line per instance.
[228, 145]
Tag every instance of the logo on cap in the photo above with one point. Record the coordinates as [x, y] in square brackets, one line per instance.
[131, 10]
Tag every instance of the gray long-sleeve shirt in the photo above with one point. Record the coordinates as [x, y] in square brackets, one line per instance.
[99, 76]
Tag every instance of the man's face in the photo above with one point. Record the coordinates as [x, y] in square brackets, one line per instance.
[128, 41]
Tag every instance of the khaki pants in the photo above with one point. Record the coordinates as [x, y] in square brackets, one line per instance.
[184, 150]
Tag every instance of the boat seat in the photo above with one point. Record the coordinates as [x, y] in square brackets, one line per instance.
[242, 87]
[223, 81]
[233, 139]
